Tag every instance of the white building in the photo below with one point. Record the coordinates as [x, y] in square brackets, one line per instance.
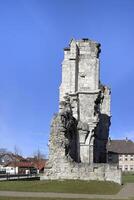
[121, 152]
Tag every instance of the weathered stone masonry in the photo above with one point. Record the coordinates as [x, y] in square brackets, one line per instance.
[79, 132]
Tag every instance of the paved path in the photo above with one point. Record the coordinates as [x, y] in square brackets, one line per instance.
[126, 192]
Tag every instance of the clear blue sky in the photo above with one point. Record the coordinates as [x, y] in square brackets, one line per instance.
[33, 34]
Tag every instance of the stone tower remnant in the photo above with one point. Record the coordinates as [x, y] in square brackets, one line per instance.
[79, 132]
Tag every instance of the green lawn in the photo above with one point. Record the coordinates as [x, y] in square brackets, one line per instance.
[128, 178]
[28, 198]
[68, 186]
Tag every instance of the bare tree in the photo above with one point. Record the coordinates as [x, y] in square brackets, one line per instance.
[39, 159]
[17, 156]
[38, 155]
[17, 151]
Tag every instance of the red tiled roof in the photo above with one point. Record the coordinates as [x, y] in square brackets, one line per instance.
[20, 164]
[39, 164]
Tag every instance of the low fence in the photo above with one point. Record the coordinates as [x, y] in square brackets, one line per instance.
[7, 177]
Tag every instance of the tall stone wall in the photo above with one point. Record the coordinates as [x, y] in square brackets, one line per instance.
[79, 132]
[89, 99]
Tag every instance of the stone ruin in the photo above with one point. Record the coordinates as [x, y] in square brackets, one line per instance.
[79, 132]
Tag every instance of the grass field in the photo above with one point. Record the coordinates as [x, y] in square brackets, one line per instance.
[28, 198]
[68, 186]
[12, 198]
[24, 198]
[128, 178]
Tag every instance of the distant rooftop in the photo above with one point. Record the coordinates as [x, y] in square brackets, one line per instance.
[121, 146]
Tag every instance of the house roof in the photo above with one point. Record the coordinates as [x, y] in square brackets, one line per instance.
[121, 146]
[25, 163]
[38, 163]
[20, 164]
